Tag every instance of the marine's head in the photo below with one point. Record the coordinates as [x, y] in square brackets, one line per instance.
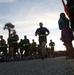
[41, 24]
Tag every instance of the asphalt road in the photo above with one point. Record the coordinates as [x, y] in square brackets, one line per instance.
[48, 66]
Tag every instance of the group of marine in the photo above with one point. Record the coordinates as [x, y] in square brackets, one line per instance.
[20, 50]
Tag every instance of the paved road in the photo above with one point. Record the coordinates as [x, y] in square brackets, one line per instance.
[49, 66]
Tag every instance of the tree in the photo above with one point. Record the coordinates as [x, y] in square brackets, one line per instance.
[9, 26]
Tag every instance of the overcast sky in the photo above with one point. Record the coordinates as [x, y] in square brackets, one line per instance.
[26, 15]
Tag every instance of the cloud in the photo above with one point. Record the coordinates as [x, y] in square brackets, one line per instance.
[3, 17]
[3, 1]
[49, 19]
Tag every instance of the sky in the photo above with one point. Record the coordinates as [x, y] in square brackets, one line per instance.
[26, 15]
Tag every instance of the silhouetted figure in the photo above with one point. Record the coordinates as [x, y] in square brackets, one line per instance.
[15, 39]
[21, 47]
[42, 32]
[66, 34]
[34, 49]
[3, 46]
[26, 46]
[48, 51]
[9, 42]
[52, 44]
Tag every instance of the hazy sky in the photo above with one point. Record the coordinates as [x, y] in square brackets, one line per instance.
[26, 15]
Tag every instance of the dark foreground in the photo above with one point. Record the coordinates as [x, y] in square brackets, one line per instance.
[48, 66]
